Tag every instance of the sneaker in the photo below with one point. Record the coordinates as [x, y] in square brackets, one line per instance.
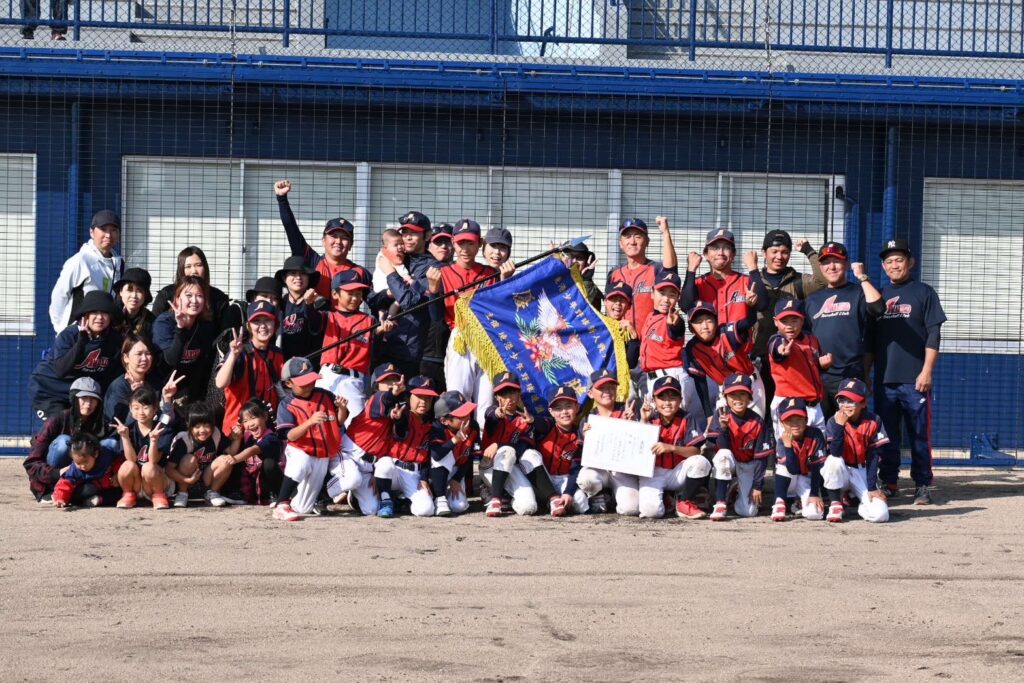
[557, 506]
[720, 511]
[319, 509]
[341, 498]
[835, 513]
[494, 508]
[441, 507]
[160, 501]
[779, 511]
[796, 507]
[283, 512]
[689, 510]
[127, 501]
[387, 509]
[46, 500]
[215, 499]
[181, 499]
[598, 504]
[890, 490]
[92, 502]
[235, 498]
[506, 505]
[923, 496]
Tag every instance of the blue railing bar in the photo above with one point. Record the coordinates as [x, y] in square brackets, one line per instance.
[693, 30]
[77, 31]
[285, 34]
[494, 27]
[888, 34]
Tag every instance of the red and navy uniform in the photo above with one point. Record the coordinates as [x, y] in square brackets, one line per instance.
[661, 344]
[641, 279]
[103, 476]
[319, 441]
[355, 353]
[454, 276]
[681, 431]
[253, 486]
[302, 328]
[727, 353]
[441, 445]
[141, 442]
[509, 430]
[797, 375]
[748, 438]
[373, 429]
[561, 450]
[255, 375]
[728, 295]
[805, 457]
[204, 451]
[857, 443]
[412, 441]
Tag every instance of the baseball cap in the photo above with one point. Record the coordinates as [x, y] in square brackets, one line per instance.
[105, 217]
[785, 308]
[506, 380]
[619, 289]
[422, 386]
[454, 404]
[833, 250]
[719, 235]
[666, 383]
[853, 389]
[564, 392]
[136, 276]
[777, 238]
[384, 371]
[666, 278]
[898, 244]
[578, 250]
[415, 221]
[348, 280]
[336, 224]
[297, 264]
[737, 381]
[466, 230]
[701, 307]
[86, 386]
[441, 231]
[602, 377]
[633, 223]
[261, 309]
[791, 407]
[264, 285]
[96, 301]
[299, 371]
[499, 236]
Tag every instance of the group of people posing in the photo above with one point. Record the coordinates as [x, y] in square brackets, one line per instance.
[331, 383]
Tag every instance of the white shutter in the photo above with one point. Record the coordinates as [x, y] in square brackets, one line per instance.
[972, 253]
[18, 233]
[688, 200]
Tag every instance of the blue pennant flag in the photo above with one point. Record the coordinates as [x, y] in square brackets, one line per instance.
[539, 324]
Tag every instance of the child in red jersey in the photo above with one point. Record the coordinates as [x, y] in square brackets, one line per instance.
[744, 445]
[801, 456]
[724, 288]
[855, 435]
[410, 452]
[796, 362]
[678, 464]
[604, 387]
[310, 419]
[251, 369]
[560, 447]
[507, 433]
[661, 341]
[454, 437]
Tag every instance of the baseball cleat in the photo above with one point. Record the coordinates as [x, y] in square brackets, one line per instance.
[598, 504]
[835, 513]
[720, 511]
[779, 511]
[890, 490]
[923, 496]
[494, 508]
[689, 510]
[441, 507]
[387, 509]
[283, 512]
[557, 506]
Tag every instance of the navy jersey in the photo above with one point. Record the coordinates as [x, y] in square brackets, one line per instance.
[76, 355]
[140, 442]
[205, 451]
[839, 319]
[189, 352]
[301, 329]
[900, 334]
[269, 444]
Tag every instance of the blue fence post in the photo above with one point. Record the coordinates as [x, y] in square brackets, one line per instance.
[76, 33]
[286, 37]
[494, 27]
[888, 34]
[693, 30]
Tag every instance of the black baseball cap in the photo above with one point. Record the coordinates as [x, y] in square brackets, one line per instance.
[667, 278]
[563, 393]
[348, 280]
[701, 307]
[601, 377]
[105, 217]
[499, 236]
[384, 371]
[264, 285]
[466, 230]
[507, 380]
[898, 244]
[737, 381]
[260, 309]
[338, 224]
[415, 221]
[791, 407]
[423, 386]
[719, 235]
[294, 264]
[853, 389]
[136, 276]
[666, 383]
[785, 308]
[777, 238]
[441, 231]
[619, 289]
[454, 404]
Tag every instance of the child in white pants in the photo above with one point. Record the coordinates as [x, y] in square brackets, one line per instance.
[604, 387]
[801, 456]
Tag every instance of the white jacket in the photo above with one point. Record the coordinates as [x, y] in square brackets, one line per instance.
[86, 271]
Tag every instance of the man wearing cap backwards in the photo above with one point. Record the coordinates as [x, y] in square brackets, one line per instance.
[906, 348]
[726, 290]
[639, 271]
[839, 316]
[337, 242]
[95, 267]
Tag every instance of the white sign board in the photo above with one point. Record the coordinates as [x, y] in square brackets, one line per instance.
[620, 445]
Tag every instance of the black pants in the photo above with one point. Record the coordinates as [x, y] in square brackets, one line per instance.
[30, 10]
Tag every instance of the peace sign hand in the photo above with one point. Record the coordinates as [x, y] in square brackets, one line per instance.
[121, 427]
[171, 388]
[236, 344]
[183, 320]
[751, 296]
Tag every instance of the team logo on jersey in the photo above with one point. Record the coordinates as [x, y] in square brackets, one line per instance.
[190, 355]
[201, 455]
[894, 309]
[654, 336]
[94, 362]
[737, 297]
[642, 288]
[832, 308]
[292, 324]
[143, 454]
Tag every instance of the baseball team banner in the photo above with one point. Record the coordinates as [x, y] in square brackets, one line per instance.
[539, 324]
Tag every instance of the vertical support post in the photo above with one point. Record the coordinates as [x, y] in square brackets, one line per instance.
[888, 33]
[76, 32]
[74, 185]
[494, 27]
[286, 35]
[889, 197]
[693, 30]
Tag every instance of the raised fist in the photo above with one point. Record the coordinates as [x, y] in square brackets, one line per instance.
[282, 187]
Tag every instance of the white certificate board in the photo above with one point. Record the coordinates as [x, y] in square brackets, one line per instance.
[620, 445]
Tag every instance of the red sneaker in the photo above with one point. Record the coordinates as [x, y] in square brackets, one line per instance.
[557, 506]
[283, 512]
[779, 511]
[127, 501]
[494, 508]
[835, 513]
[719, 513]
[160, 501]
[689, 510]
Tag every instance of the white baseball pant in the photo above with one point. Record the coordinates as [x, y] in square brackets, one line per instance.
[800, 486]
[815, 418]
[524, 501]
[651, 499]
[354, 476]
[579, 499]
[458, 502]
[463, 373]
[407, 482]
[726, 467]
[624, 486]
[353, 389]
[838, 475]
[308, 472]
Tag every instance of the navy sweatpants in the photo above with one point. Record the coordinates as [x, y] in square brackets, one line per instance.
[902, 405]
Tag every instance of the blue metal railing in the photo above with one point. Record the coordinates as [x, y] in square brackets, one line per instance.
[980, 28]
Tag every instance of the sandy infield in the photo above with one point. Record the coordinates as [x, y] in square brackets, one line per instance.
[208, 594]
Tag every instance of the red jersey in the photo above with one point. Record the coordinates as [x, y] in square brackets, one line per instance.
[561, 450]
[258, 379]
[454, 276]
[506, 431]
[355, 353]
[805, 452]
[414, 444]
[371, 429]
[857, 439]
[642, 281]
[746, 436]
[441, 443]
[728, 295]
[320, 441]
[661, 346]
[729, 352]
[797, 375]
[327, 272]
[681, 431]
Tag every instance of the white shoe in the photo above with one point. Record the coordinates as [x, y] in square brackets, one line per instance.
[181, 499]
[215, 499]
[234, 501]
[441, 507]
[46, 500]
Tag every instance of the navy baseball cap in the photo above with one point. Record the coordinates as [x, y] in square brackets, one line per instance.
[701, 307]
[441, 231]
[777, 238]
[507, 380]
[499, 236]
[899, 244]
[719, 235]
[348, 280]
[666, 383]
[299, 371]
[466, 229]
[423, 386]
[737, 381]
[666, 278]
[385, 371]
[415, 221]
[632, 224]
[833, 250]
[454, 404]
[261, 309]
[602, 377]
[104, 218]
[785, 308]
[792, 407]
[619, 289]
[563, 393]
[853, 389]
[336, 225]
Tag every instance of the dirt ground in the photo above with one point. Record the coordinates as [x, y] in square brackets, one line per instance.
[230, 594]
